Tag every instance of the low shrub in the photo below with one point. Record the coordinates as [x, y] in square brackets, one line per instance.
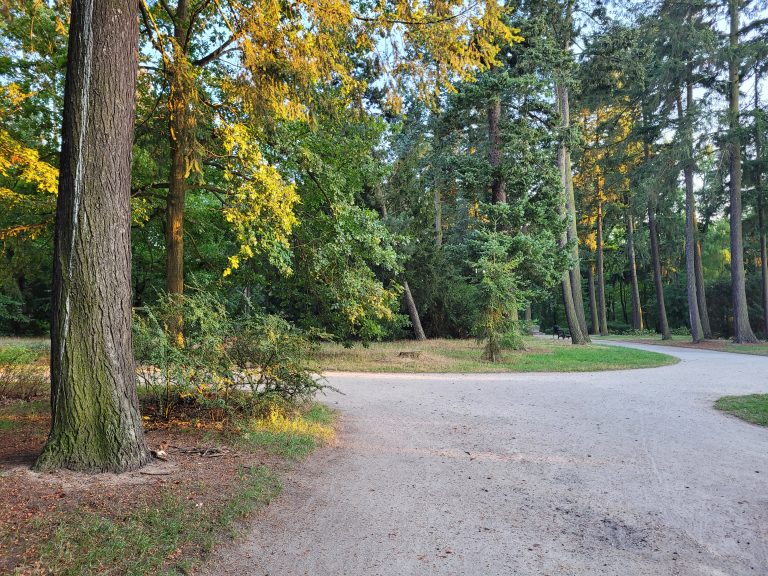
[211, 363]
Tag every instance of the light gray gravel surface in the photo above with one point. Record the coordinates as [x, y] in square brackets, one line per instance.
[611, 473]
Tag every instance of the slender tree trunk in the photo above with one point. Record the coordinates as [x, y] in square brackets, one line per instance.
[663, 324]
[594, 324]
[96, 425]
[564, 164]
[690, 222]
[701, 293]
[528, 313]
[637, 310]
[742, 331]
[180, 127]
[438, 217]
[763, 263]
[760, 205]
[413, 312]
[498, 186]
[602, 314]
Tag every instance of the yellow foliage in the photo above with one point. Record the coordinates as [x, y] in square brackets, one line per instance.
[260, 204]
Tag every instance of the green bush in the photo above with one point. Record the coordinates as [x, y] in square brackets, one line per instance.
[228, 367]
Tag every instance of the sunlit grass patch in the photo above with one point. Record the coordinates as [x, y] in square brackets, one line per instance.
[752, 408]
[292, 434]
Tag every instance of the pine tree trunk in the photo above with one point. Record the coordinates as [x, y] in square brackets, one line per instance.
[763, 263]
[637, 311]
[742, 331]
[690, 222]
[761, 207]
[498, 187]
[602, 313]
[701, 292]
[96, 425]
[663, 324]
[564, 164]
[413, 312]
[594, 325]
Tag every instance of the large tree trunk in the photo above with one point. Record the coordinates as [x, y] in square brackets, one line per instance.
[742, 331]
[602, 313]
[413, 312]
[690, 221]
[564, 164]
[661, 308]
[95, 425]
[594, 324]
[498, 186]
[637, 311]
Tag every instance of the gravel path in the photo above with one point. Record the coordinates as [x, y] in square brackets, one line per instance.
[613, 473]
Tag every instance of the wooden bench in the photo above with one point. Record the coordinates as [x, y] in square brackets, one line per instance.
[560, 333]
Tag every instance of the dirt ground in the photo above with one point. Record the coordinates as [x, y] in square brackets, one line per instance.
[28, 500]
[614, 473]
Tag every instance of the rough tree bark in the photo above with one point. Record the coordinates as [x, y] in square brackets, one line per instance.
[694, 317]
[602, 313]
[413, 312]
[742, 331]
[637, 310]
[498, 185]
[96, 426]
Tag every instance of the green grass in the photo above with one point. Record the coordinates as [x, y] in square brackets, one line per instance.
[23, 350]
[464, 356]
[760, 349]
[145, 541]
[719, 345]
[752, 408]
[292, 437]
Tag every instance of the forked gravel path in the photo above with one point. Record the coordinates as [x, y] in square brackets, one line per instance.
[612, 473]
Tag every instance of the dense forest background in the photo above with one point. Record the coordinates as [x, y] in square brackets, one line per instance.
[599, 165]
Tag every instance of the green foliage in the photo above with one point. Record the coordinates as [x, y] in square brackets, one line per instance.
[498, 283]
[228, 366]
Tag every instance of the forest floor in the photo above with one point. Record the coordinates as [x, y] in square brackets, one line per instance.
[465, 356]
[718, 345]
[629, 472]
[159, 520]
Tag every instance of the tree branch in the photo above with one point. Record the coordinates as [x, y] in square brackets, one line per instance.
[215, 54]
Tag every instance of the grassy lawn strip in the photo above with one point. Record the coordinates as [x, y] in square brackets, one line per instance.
[752, 408]
[464, 356]
[719, 345]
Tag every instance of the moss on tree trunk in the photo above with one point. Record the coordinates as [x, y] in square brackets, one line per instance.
[96, 425]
